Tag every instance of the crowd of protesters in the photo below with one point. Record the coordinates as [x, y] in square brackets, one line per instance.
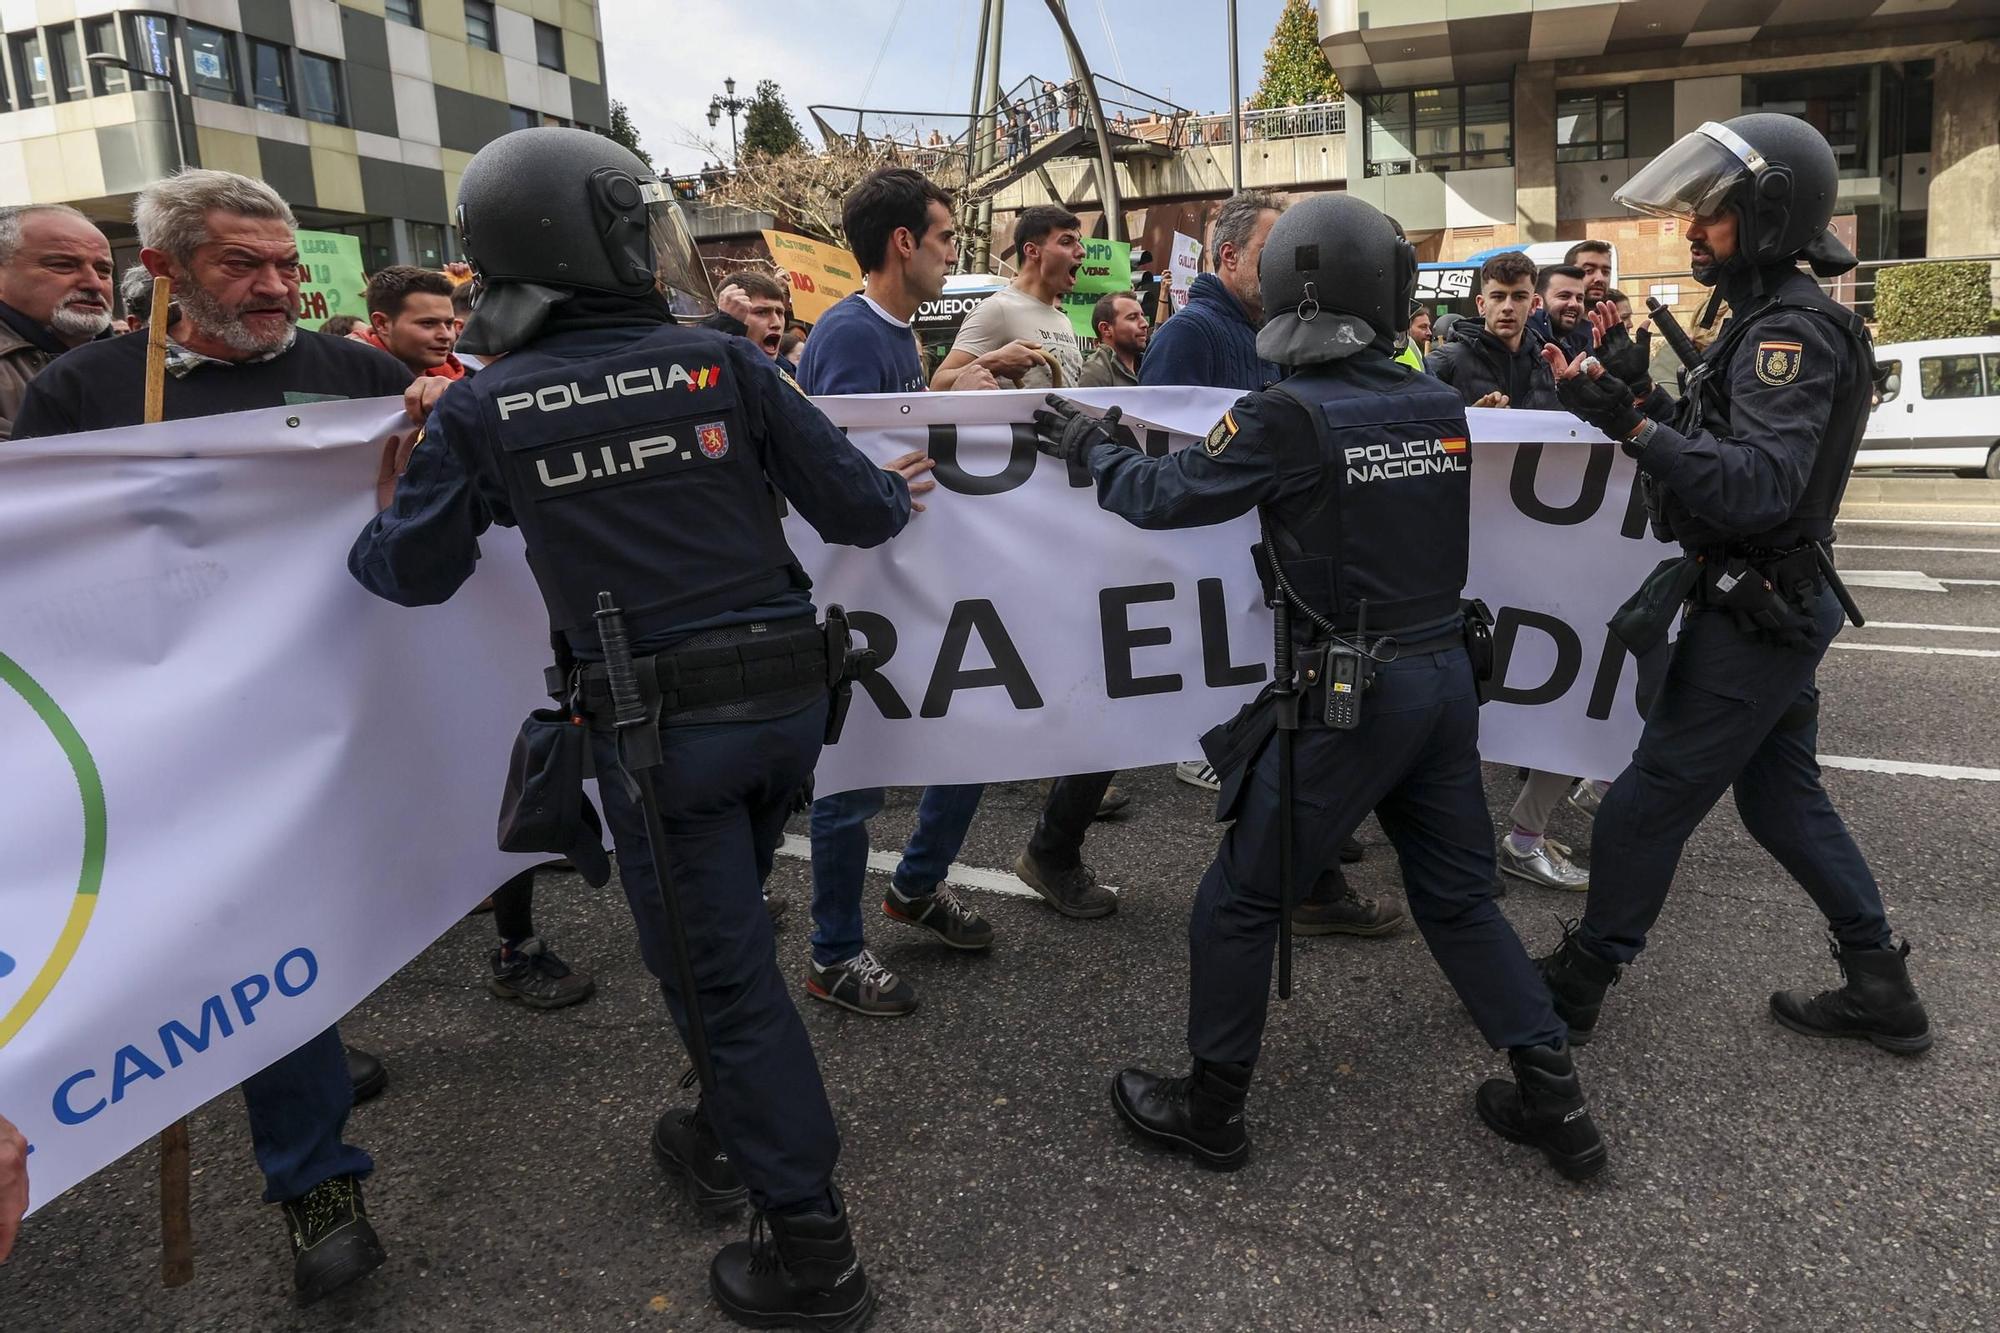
[227, 244]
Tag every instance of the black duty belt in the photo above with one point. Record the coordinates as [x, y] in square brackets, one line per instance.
[736, 673]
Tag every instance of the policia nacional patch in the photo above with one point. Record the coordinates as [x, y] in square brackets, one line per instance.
[1778, 363]
[1219, 438]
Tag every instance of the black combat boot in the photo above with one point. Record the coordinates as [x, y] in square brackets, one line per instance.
[1877, 1004]
[1577, 980]
[685, 1146]
[1200, 1114]
[1544, 1108]
[797, 1270]
[332, 1242]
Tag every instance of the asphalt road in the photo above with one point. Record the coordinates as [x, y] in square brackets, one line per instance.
[1758, 1180]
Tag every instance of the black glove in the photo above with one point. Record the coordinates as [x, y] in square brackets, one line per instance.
[1629, 360]
[1063, 431]
[1605, 402]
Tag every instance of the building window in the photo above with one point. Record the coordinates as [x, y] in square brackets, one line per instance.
[270, 83]
[211, 63]
[1590, 126]
[427, 245]
[153, 44]
[101, 35]
[479, 24]
[31, 69]
[1839, 103]
[548, 45]
[1439, 129]
[68, 72]
[319, 89]
[520, 118]
[404, 12]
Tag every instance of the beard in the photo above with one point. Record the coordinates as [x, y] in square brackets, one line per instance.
[227, 326]
[76, 318]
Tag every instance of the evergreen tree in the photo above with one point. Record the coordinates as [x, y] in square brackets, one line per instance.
[1295, 69]
[768, 126]
[623, 132]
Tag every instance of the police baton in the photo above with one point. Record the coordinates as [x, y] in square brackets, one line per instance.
[639, 754]
[1285, 694]
[1676, 336]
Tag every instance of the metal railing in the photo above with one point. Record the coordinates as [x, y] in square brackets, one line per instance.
[1278, 122]
[1855, 290]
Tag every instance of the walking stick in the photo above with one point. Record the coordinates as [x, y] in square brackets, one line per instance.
[176, 1224]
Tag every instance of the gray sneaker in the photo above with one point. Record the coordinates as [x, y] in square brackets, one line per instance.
[1545, 865]
[863, 985]
[1073, 891]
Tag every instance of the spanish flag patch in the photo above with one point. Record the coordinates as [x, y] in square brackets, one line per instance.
[1219, 438]
[1778, 363]
[1452, 446]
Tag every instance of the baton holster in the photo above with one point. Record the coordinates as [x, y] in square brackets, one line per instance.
[844, 665]
[1641, 624]
[1478, 629]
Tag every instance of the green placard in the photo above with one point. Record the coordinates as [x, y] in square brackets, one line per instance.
[1107, 267]
[334, 282]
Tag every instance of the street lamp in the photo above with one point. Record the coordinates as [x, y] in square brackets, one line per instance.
[727, 102]
[108, 61]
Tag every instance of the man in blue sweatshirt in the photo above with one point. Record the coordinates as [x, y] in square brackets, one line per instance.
[900, 227]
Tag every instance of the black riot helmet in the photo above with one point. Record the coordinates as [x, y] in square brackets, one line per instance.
[1775, 172]
[1336, 276]
[548, 213]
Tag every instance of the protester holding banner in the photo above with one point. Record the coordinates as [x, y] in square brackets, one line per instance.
[1027, 314]
[900, 226]
[1748, 481]
[1364, 564]
[705, 724]
[227, 243]
[1122, 334]
[13, 1185]
[55, 294]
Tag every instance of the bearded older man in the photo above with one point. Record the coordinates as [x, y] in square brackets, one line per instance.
[227, 243]
[55, 294]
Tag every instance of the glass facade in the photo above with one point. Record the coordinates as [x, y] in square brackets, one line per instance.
[1439, 129]
[1590, 125]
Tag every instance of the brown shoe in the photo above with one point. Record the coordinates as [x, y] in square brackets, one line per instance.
[1073, 892]
[1336, 909]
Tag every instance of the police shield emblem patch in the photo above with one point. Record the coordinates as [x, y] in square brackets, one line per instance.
[713, 438]
[1778, 363]
[1219, 438]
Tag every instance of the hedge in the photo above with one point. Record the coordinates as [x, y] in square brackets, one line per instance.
[1945, 299]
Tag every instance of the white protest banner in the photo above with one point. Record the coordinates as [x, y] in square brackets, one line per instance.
[1183, 264]
[242, 792]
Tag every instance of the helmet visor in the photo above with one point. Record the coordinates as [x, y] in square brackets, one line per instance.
[677, 268]
[1693, 178]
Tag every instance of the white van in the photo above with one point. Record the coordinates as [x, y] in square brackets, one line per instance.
[1940, 407]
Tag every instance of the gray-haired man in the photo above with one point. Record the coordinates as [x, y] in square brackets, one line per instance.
[227, 243]
[55, 293]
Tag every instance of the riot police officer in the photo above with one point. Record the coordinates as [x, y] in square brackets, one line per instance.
[1359, 468]
[1748, 481]
[645, 459]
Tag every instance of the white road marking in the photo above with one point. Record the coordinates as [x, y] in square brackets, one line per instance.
[966, 877]
[1913, 648]
[1902, 580]
[1973, 583]
[1934, 629]
[1947, 550]
[1921, 522]
[1949, 772]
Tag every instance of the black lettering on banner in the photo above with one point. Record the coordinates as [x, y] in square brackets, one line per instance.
[878, 634]
[1604, 690]
[1114, 607]
[1216, 667]
[943, 448]
[1569, 656]
[1154, 447]
[1590, 494]
[951, 674]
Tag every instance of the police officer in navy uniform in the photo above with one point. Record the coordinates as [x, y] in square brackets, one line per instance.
[646, 458]
[1359, 467]
[1748, 481]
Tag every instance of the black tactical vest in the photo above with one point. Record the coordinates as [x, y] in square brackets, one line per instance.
[1705, 406]
[1391, 519]
[635, 474]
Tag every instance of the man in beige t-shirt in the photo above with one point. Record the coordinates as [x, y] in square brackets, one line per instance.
[1011, 331]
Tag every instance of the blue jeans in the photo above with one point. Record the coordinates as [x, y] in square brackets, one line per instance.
[298, 1106]
[840, 858]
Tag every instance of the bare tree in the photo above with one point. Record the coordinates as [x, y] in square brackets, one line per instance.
[804, 189]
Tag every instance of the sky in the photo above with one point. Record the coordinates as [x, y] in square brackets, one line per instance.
[665, 58]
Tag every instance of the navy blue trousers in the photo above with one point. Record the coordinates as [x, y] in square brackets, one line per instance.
[1414, 761]
[1733, 710]
[298, 1108]
[725, 792]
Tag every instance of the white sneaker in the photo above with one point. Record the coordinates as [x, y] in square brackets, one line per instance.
[1544, 865]
[1197, 773]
